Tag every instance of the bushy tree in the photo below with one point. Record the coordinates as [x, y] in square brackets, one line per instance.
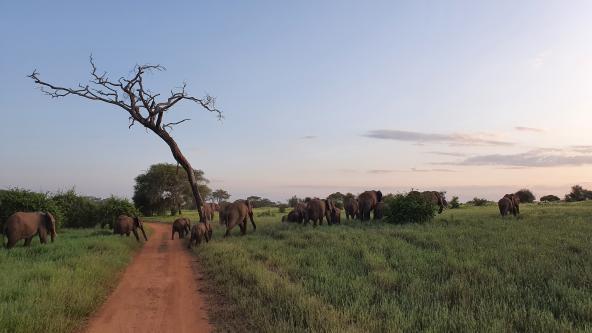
[409, 209]
[550, 198]
[20, 200]
[525, 196]
[163, 187]
[454, 203]
[112, 207]
[220, 195]
[578, 193]
[78, 211]
[338, 199]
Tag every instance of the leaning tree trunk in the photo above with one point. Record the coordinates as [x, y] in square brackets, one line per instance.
[180, 158]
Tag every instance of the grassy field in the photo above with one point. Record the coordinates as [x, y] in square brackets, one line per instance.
[54, 288]
[468, 270]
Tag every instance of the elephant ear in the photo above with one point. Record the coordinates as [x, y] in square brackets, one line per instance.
[379, 196]
[49, 221]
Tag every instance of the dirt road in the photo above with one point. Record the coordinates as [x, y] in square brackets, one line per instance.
[159, 291]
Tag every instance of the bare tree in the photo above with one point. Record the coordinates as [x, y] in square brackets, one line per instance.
[130, 95]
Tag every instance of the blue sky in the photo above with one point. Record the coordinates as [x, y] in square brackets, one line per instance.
[476, 98]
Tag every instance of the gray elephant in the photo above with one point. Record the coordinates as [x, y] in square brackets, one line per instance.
[181, 226]
[379, 210]
[351, 208]
[200, 231]
[367, 202]
[25, 226]
[509, 204]
[316, 210]
[126, 225]
[236, 214]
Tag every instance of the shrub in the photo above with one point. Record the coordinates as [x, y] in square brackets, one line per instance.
[409, 209]
[78, 211]
[19, 200]
[525, 196]
[478, 202]
[550, 198]
[454, 203]
[578, 193]
[112, 207]
[265, 213]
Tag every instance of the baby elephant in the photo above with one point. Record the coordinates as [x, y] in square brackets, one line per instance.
[126, 224]
[181, 226]
[199, 231]
[26, 225]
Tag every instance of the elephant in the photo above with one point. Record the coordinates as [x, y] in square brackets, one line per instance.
[236, 214]
[316, 210]
[367, 202]
[126, 224]
[351, 208]
[437, 199]
[379, 210]
[208, 211]
[329, 210]
[22, 225]
[199, 231]
[181, 226]
[515, 203]
[222, 212]
[434, 197]
[336, 216]
[293, 216]
[506, 206]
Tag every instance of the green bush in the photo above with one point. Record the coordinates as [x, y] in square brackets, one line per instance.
[282, 208]
[454, 203]
[19, 200]
[112, 207]
[78, 211]
[409, 209]
[526, 196]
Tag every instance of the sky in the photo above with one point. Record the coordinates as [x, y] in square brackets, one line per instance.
[476, 98]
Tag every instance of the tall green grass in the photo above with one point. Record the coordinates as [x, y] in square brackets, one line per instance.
[55, 287]
[468, 270]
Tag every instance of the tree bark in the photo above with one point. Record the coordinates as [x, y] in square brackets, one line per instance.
[180, 158]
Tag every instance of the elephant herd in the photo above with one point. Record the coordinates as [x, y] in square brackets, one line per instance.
[230, 214]
[366, 205]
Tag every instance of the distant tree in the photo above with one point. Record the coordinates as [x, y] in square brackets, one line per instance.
[258, 202]
[338, 198]
[454, 203]
[293, 201]
[578, 193]
[478, 202]
[162, 188]
[143, 106]
[550, 198]
[525, 196]
[220, 195]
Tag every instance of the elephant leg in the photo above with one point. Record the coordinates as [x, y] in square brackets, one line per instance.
[173, 235]
[11, 243]
[243, 228]
[28, 241]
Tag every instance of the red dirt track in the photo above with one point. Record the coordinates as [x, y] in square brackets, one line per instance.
[159, 291]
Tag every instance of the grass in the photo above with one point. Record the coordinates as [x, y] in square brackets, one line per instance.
[468, 270]
[55, 287]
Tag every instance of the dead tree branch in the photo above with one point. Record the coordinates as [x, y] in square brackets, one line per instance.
[140, 103]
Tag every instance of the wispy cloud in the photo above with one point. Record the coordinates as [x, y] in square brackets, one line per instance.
[380, 171]
[534, 158]
[443, 153]
[432, 170]
[309, 137]
[454, 139]
[528, 129]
